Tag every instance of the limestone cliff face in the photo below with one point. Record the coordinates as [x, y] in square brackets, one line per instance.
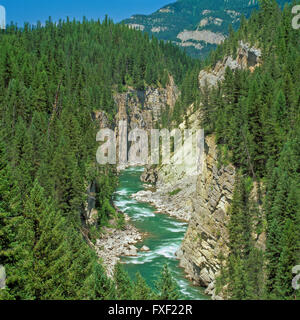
[247, 57]
[143, 108]
[175, 183]
[202, 200]
[207, 234]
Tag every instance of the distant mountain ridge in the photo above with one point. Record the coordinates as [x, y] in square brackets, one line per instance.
[197, 25]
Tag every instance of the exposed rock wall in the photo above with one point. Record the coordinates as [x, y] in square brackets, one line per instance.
[202, 200]
[207, 234]
[247, 57]
[175, 183]
[143, 108]
[206, 239]
[204, 35]
[2, 277]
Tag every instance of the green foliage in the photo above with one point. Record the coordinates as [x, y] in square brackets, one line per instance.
[104, 287]
[124, 286]
[243, 274]
[141, 289]
[173, 193]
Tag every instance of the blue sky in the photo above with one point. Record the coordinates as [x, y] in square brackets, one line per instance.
[31, 11]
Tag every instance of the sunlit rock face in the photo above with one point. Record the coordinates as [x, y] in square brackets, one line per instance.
[203, 199]
[246, 57]
[207, 236]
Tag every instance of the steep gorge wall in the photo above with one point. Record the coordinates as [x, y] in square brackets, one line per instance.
[207, 235]
[142, 108]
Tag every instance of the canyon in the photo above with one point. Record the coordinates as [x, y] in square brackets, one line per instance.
[201, 200]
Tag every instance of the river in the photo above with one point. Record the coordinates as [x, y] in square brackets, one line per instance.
[165, 235]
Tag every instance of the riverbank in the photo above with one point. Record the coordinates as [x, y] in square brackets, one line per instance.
[115, 243]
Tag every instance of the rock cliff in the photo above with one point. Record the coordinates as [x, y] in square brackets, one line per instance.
[142, 108]
[175, 184]
[247, 57]
[207, 236]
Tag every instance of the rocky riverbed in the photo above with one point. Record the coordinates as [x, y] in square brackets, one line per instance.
[115, 243]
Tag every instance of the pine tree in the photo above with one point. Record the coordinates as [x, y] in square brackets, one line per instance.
[166, 286]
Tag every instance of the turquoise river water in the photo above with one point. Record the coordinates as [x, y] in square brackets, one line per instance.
[164, 236]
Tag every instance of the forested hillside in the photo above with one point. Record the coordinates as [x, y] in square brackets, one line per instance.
[255, 116]
[52, 79]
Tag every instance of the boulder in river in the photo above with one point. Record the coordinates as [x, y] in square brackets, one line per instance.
[145, 249]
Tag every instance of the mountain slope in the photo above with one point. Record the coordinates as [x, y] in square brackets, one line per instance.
[196, 25]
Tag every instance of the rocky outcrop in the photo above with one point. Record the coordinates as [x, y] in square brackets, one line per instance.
[201, 35]
[175, 184]
[150, 175]
[91, 214]
[143, 108]
[178, 206]
[210, 20]
[145, 249]
[202, 200]
[207, 235]
[247, 57]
